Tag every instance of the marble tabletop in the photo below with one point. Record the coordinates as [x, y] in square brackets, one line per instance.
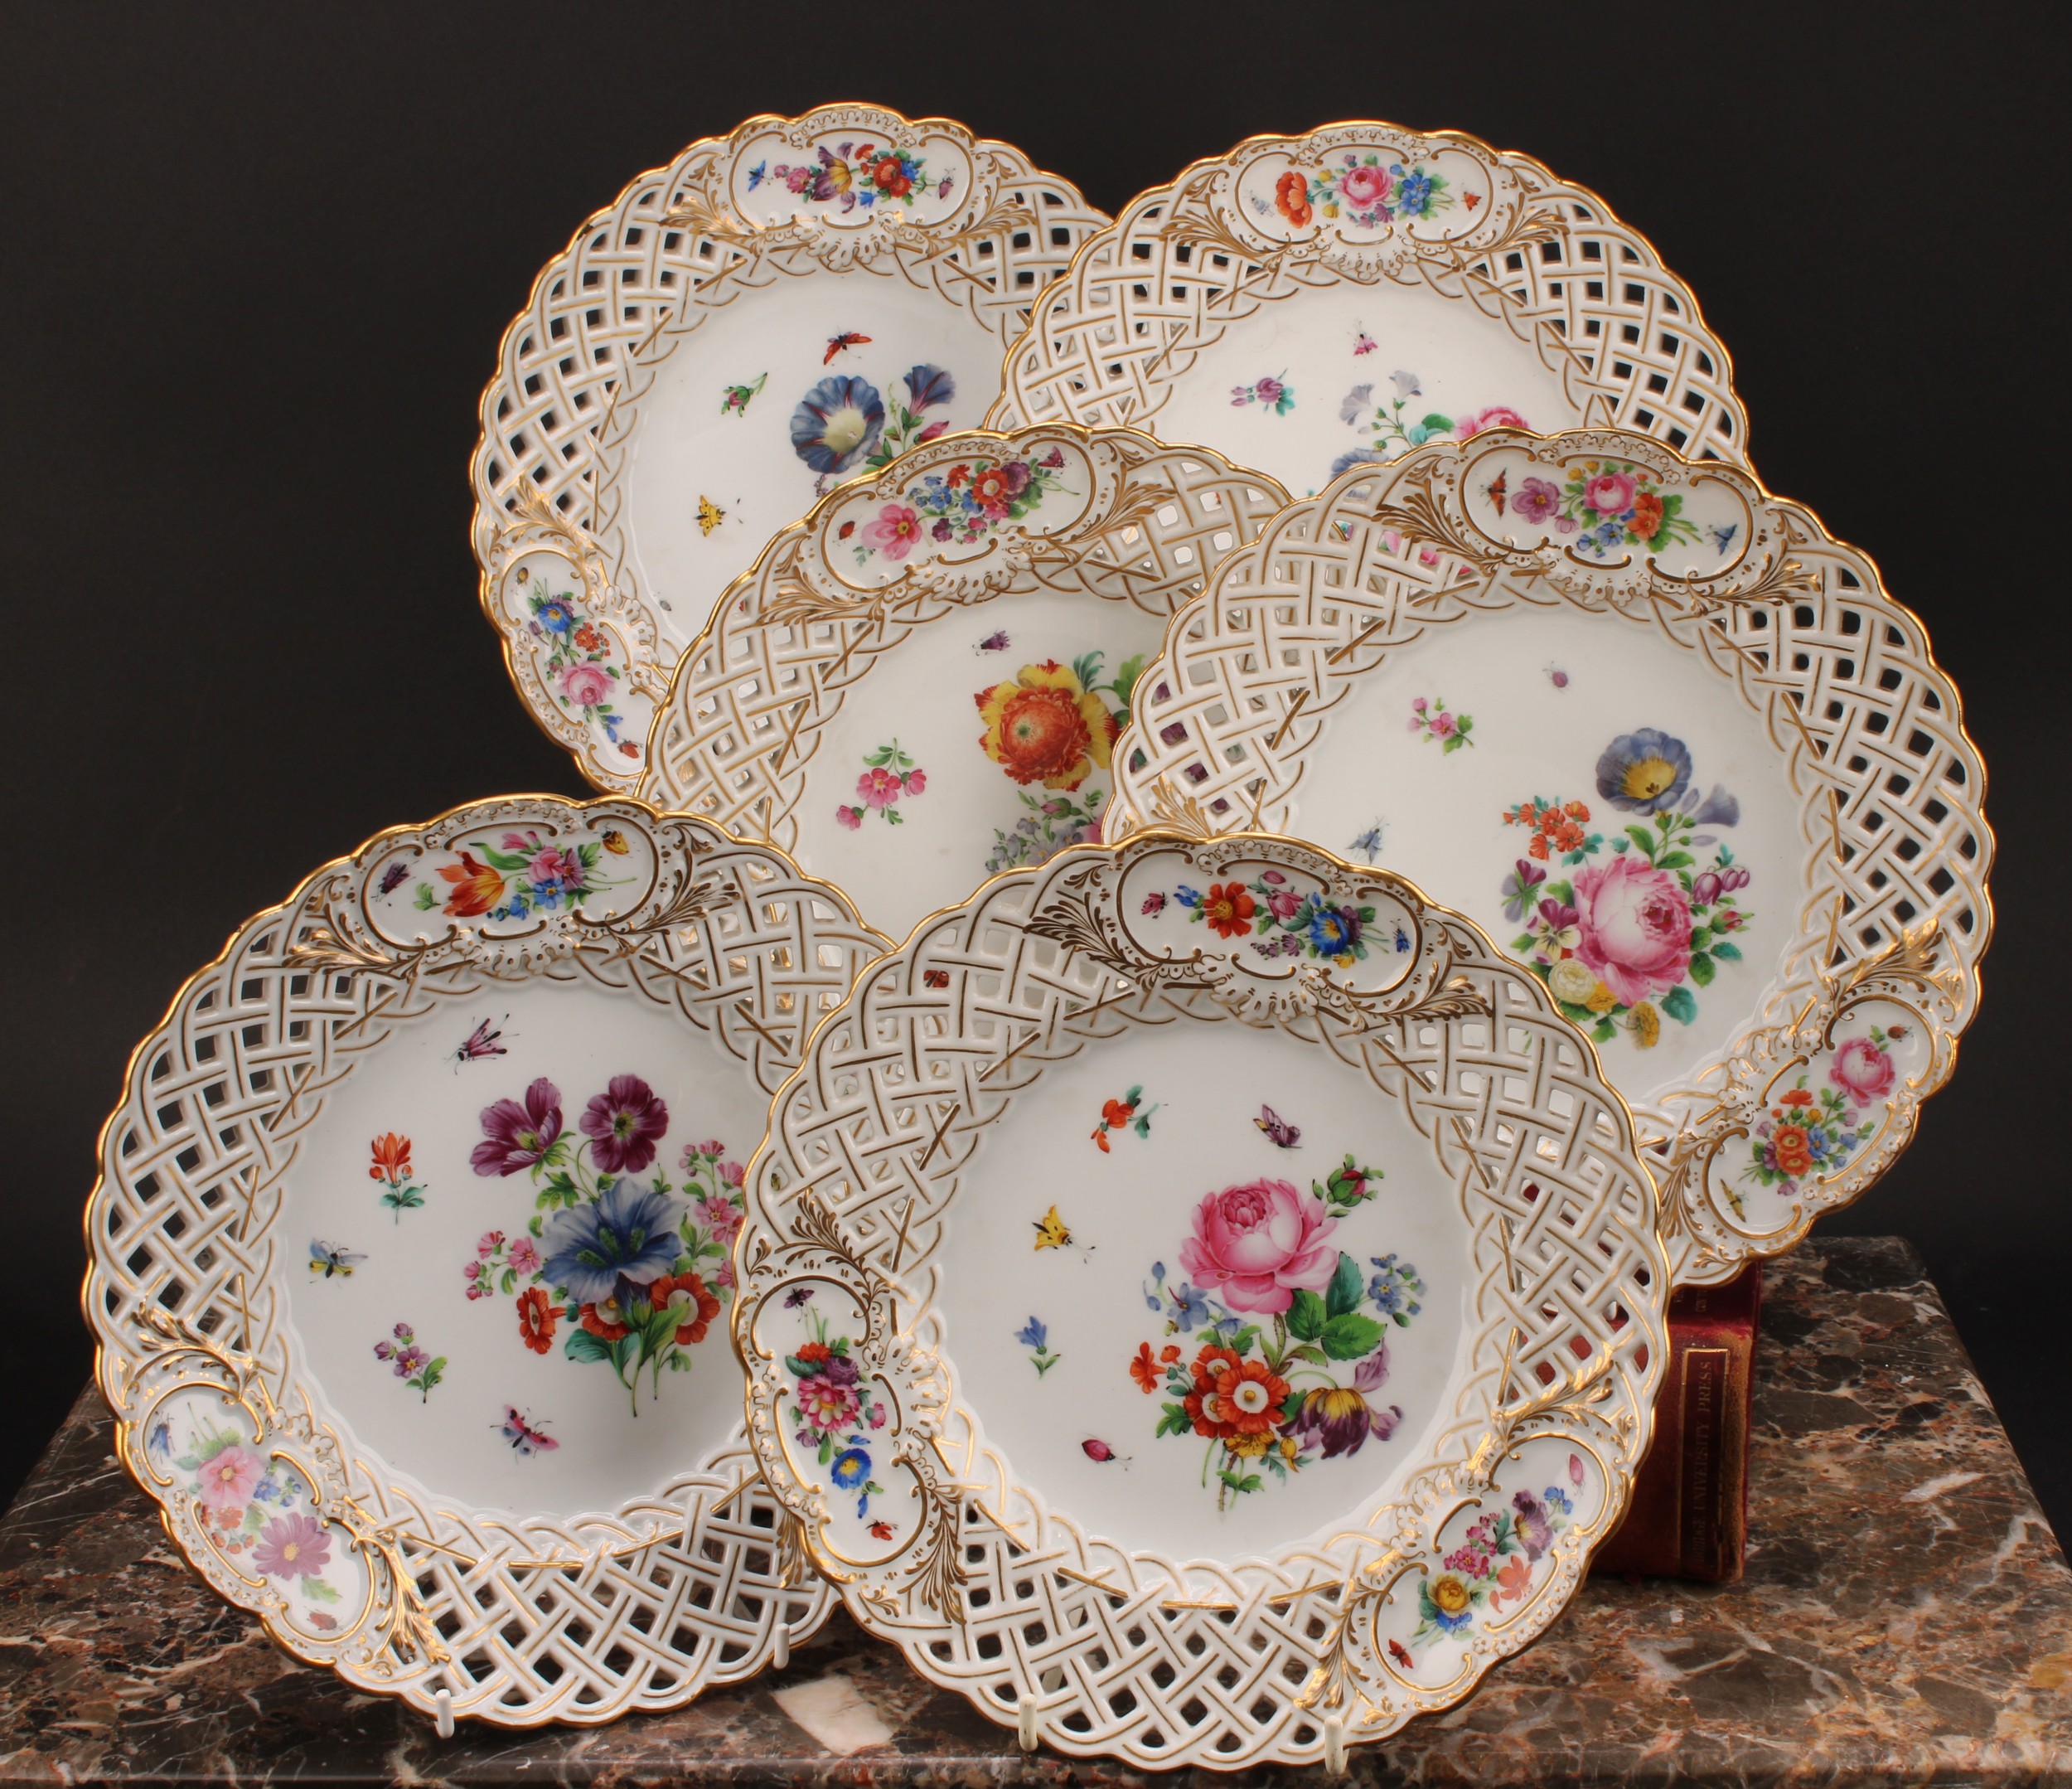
[1906, 1617]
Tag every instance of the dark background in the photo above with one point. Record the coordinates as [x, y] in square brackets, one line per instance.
[254, 266]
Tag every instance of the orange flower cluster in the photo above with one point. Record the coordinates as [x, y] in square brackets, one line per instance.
[1555, 826]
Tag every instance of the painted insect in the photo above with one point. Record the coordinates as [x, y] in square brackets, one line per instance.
[1051, 1232]
[1366, 344]
[480, 1042]
[1497, 485]
[1722, 536]
[796, 1296]
[1283, 1134]
[329, 1259]
[847, 339]
[1368, 843]
[393, 877]
[1100, 1453]
[614, 841]
[1471, 200]
[709, 514]
[995, 642]
[881, 1531]
[1556, 677]
[525, 1437]
[936, 977]
[736, 401]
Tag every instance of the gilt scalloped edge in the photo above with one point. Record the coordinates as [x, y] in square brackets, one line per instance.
[1546, 257]
[795, 634]
[870, 1141]
[607, 311]
[1893, 907]
[523, 1621]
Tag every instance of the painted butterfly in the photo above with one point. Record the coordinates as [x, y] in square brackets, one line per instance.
[1051, 1232]
[525, 1438]
[709, 514]
[480, 1042]
[1497, 487]
[1721, 536]
[329, 1259]
[847, 339]
[1285, 1134]
[1366, 344]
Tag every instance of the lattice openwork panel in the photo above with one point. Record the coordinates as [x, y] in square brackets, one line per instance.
[1542, 259]
[522, 1620]
[794, 639]
[681, 243]
[1890, 910]
[996, 1590]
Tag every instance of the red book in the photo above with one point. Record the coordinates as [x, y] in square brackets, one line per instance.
[1689, 1513]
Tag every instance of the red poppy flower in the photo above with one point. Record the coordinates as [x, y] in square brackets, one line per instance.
[813, 1352]
[1144, 1371]
[1228, 909]
[1291, 197]
[695, 1311]
[890, 177]
[535, 1319]
[601, 1327]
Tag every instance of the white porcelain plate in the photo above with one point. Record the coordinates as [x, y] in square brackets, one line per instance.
[922, 682]
[1665, 739]
[1303, 303]
[410, 1266]
[1201, 1347]
[776, 311]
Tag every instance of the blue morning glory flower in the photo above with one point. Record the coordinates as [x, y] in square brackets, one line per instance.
[837, 422]
[852, 1466]
[928, 386]
[1645, 772]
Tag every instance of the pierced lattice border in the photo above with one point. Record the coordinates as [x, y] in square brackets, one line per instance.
[522, 1621]
[995, 1595]
[794, 637]
[634, 283]
[1892, 907]
[1542, 257]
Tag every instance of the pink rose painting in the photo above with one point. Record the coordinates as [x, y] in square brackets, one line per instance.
[1497, 416]
[1363, 188]
[1636, 922]
[1862, 1070]
[1255, 1245]
[585, 685]
[1609, 493]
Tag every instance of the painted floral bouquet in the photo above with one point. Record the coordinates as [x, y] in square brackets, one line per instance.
[643, 1271]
